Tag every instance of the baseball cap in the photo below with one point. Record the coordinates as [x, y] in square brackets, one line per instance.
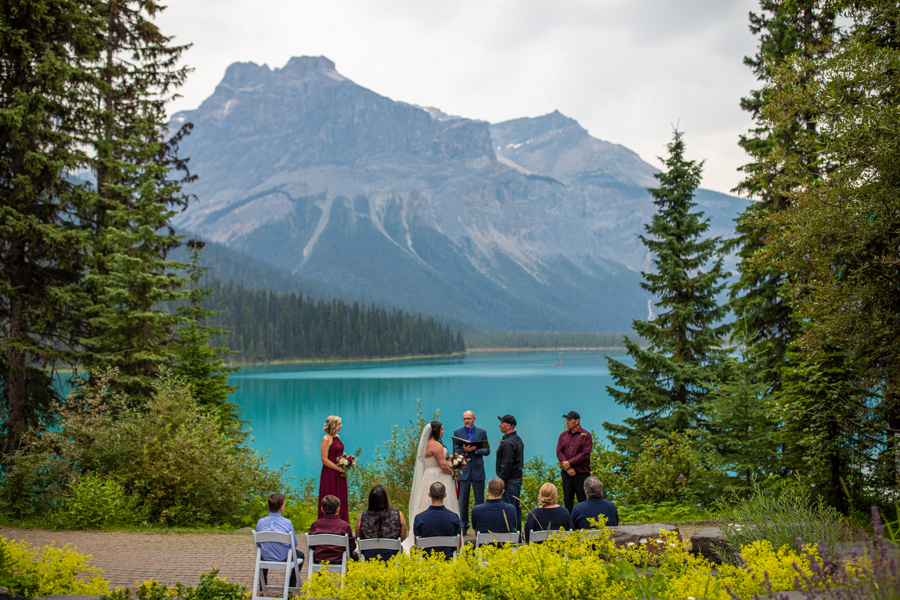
[508, 419]
[572, 415]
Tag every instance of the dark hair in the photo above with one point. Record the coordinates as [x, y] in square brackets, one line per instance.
[330, 505]
[437, 490]
[276, 501]
[379, 506]
[436, 430]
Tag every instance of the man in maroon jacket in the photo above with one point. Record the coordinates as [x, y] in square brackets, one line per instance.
[574, 453]
[333, 524]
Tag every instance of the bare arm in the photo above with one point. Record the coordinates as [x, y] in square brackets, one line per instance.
[326, 446]
[402, 527]
[437, 451]
[358, 522]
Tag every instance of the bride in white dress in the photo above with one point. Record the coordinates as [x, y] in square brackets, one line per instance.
[431, 466]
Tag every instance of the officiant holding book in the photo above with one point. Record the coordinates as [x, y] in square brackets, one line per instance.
[474, 442]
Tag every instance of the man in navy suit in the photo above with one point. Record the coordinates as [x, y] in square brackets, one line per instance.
[472, 476]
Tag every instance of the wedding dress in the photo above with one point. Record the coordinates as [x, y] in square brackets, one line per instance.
[425, 473]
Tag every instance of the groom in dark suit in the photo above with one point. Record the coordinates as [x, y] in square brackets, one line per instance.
[472, 476]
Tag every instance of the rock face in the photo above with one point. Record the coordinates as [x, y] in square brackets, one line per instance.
[710, 543]
[526, 224]
[633, 534]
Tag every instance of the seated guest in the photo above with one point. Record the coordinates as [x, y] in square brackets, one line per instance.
[437, 520]
[276, 522]
[495, 515]
[332, 524]
[549, 516]
[380, 521]
[594, 506]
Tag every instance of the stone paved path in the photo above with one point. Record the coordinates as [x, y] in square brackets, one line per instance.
[166, 557]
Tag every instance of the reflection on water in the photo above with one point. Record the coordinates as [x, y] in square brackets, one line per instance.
[287, 404]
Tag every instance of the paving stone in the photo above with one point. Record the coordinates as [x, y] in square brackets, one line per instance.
[127, 558]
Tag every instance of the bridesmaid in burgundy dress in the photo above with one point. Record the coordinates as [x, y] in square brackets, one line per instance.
[332, 483]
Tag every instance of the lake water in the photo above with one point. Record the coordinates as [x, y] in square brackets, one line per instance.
[287, 404]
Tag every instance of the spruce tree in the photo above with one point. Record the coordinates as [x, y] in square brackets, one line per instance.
[195, 359]
[759, 296]
[741, 430]
[45, 49]
[139, 180]
[670, 379]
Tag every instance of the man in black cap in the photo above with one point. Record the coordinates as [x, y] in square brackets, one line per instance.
[510, 460]
[574, 453]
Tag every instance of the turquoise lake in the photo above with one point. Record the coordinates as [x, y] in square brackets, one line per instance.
[287, 404]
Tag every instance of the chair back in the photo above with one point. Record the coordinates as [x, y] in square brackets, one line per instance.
[378, 544]
[439, 541]
[496, 538]
[279, 537]
[591, 534]
[328, 539]
[539, 536]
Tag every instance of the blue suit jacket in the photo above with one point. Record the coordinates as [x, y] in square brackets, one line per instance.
[474, 470]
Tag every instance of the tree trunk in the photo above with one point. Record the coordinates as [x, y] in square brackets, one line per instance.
[15, 403]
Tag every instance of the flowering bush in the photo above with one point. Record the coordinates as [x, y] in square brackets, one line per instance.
[47, 571]
[575, 566]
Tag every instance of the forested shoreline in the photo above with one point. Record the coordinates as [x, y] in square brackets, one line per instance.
[263, 325]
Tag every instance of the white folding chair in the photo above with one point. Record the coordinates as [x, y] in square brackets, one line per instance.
[544, 535]
[440, 541]
[328, 539]
[289, 564]
[497, 538]
[591, 534]
[378, 544]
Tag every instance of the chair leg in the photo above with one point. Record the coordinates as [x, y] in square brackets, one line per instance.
[255, 591]
[287, 580]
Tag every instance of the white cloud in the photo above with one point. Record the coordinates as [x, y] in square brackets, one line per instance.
[627, 70]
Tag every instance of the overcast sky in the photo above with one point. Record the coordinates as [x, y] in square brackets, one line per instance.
[627, 70]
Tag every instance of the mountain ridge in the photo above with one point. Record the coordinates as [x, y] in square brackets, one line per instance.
[526, 224]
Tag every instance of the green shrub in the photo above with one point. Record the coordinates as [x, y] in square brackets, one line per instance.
[95, 501]
[31, 572]
[211, 587]
[781, 516]
[301, 513]
[182, 463]
[662, 512]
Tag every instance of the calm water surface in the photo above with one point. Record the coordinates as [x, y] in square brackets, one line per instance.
[286, 404]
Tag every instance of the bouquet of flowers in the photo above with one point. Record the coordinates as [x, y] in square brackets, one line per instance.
[346, 462]
[457, 462]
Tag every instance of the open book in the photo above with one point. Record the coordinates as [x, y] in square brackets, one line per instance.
[463, 442]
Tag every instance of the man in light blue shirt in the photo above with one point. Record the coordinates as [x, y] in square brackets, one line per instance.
[276, 522]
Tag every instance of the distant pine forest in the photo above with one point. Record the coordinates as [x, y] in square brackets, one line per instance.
[264, 325]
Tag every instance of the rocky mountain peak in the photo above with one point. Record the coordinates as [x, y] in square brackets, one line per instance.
[301, 67]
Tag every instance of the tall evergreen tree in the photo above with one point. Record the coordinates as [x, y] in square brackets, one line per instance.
[838, 239]
[785, 28]
[195, 359]
[139, 179]
[45, 46]
[671, 378]
[741, 429]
